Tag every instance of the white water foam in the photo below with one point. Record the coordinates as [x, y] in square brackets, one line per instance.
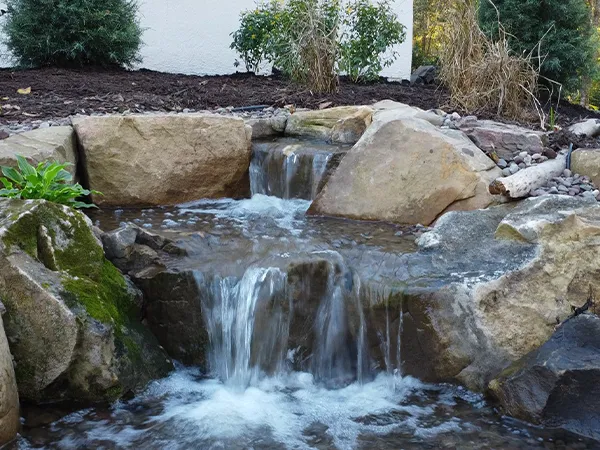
[286, 214]
[277, 412]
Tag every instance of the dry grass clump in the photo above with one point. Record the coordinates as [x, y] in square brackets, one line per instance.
[485, 74]
[317, 54]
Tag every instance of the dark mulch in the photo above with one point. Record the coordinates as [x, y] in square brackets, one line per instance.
[60, 93]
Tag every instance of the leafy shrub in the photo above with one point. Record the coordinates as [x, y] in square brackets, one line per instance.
[253, 39]
[311, 41]
[559, 30]
[48, 181]
[370, 30]
[73, 32]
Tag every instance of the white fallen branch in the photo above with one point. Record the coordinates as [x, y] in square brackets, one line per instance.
[520, 184]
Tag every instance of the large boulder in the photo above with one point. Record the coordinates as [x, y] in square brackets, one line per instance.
[164, 159]
[341, 125]
[44, 144]
[9, 397]
[586, 162]
[72, 319]
[504, 140]
[557, 385]
[407, 171]
[487, 287]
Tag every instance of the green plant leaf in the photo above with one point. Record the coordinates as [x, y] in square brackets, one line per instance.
[26, 168]
[12, 174]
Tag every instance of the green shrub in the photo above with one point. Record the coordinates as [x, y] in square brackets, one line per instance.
[69, 33]
[562, 28]
[369, 32]
[48, 181]
[311, 41]
[253, 39]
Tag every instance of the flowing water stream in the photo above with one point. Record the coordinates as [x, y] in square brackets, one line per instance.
[267, 274]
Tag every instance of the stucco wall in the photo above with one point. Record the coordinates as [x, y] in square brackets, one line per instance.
[193, 36]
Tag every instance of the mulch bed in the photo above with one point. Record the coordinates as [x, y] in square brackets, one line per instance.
[59, 93]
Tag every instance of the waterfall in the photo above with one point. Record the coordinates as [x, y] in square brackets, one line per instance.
[289, 168]
[307, 307]
[230, 312]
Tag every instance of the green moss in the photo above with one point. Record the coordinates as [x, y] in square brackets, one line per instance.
[113, 393]
[105, 300]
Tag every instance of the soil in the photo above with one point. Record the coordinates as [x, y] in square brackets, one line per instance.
[57, 93]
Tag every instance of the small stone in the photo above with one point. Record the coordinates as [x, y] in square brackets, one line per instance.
[522, 165]
[565, 182]
[506, 172]
[575, 189]
[553, 190]
[595, 192]
[527, 160]
[518, 159]
[567, 173]
[536, 156]
[455, 116]
[572, 192]
[588, 194]
[513, 168]
[523, 154]
[549, 153]
[552, 184]
[562, 188]
[502, 163]
[586, 187]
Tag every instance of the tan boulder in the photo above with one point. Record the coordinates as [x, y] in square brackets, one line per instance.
[489, 286]
[343, 125]
[44, 144]
[9, 397]
[587, 162]
[164, 159]
[407, 171]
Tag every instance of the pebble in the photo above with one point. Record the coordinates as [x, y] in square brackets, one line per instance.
[513, 168]
[567, 173]
[553, 190]
[506, 172]
[518, 159]
[549, 153]
[455, 116]
[528, 160]
[502, 163]
[522, 165]
[563, 188]
[523, 154]
[536, 156]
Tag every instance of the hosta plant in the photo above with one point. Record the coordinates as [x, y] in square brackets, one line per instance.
[49, 181]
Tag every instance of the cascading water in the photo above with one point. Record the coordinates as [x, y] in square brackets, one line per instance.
[289, 168]
[253, 331]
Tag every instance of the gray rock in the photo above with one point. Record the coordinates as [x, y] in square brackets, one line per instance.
[502, 163]
[513, 168]
[73, 325]
[567, 173]
[424, 75]
[557, 385]
[502, 139]
[506, 172]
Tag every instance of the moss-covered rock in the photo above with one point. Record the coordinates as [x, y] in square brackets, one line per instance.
[72, 321]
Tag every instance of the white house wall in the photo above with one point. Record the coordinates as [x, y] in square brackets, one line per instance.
[193, 36]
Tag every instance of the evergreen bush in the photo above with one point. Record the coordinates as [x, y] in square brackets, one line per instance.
[562, 28]
[73, 33]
